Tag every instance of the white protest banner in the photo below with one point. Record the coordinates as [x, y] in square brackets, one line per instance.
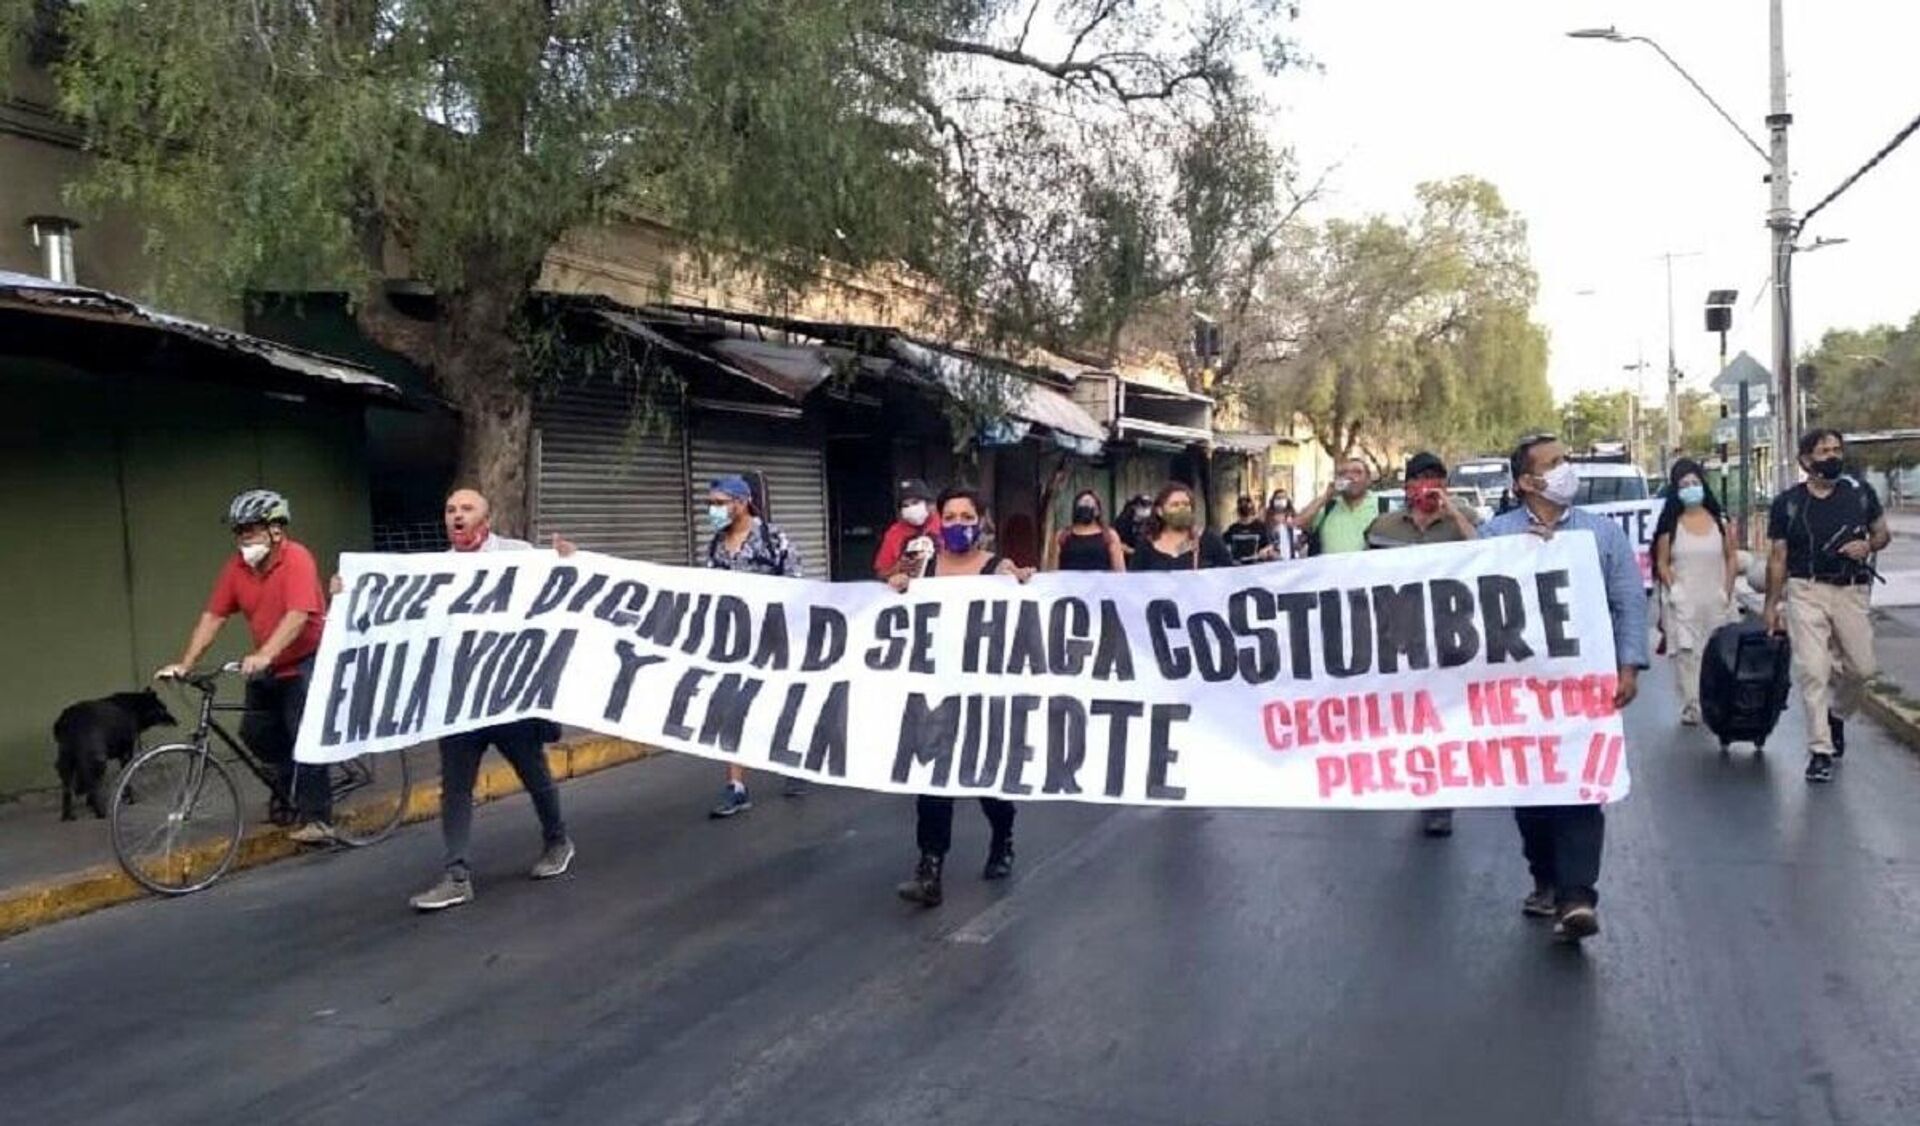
[1453, 675]
[1637, 518]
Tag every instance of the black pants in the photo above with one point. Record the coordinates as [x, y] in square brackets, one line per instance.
[524, 746]
[934, 824]
[269, 728]
[1562, 844]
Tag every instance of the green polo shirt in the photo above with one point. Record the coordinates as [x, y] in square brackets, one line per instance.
[1398, 529]
[1343, 526]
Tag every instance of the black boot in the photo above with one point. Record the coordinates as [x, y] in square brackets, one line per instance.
[1837, 731]
[924, 888]
[999, 859]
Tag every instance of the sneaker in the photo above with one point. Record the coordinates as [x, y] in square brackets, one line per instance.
[1539, 904]
[793, 787]
[451, 891]
[733, 800]
[313, 833]
[1820, 768]
[1837, 730]
[554, 862]
[924, 887]
[1577, 922]
[1437, 823]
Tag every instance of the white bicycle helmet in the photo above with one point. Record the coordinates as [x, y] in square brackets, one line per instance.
[259, 506]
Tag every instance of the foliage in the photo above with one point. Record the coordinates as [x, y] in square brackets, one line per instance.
[1699, 411]
[1389, 334]
[299, 144]
[1868, 379]
[1596, 416]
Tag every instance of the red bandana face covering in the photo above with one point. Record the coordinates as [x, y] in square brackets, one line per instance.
[471, 538]
[1426, 496]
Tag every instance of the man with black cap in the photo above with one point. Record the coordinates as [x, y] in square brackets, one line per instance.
[1429, 517]
[909, 541]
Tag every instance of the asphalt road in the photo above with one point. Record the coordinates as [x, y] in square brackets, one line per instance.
[1759, 963]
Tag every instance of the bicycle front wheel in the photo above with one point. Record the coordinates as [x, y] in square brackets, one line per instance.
[369, 797]
[176, 819]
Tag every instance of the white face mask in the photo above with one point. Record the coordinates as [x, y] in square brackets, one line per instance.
[252, 553]
[915, 512]
[1560, 485]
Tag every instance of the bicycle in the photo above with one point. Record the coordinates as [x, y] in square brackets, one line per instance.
[177, 819]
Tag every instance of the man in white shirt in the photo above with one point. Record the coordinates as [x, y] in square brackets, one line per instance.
[522, 743]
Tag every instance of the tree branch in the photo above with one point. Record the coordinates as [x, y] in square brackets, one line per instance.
[1097, 71]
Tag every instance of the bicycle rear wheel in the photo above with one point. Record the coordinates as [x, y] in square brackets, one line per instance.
[369, 797]
[176, 819]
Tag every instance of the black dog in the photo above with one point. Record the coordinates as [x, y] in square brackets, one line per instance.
[93, 731]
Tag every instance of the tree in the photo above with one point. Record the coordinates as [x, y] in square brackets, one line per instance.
[1596, 416]
[1386, 334]
[1867, 379]
[1699, 410]
[297, 144]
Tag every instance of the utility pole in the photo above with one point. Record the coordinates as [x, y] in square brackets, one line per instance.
[1634, 408]
[1673, 381]
[1786, 421]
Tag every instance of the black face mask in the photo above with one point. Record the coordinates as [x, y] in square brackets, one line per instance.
[1827, 468]
[1085, 513]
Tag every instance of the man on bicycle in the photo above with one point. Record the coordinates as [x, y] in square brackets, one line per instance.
[274, 581]
[522, 743]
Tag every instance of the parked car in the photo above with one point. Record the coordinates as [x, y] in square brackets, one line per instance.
[1488, 474]
[1479, 508]
[1607, 482]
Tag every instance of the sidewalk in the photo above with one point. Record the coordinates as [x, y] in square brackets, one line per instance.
[52, 869]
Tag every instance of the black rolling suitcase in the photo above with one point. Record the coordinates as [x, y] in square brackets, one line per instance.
[1744, 676]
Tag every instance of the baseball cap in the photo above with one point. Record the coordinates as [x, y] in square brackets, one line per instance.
[1425, 465]
[912, 489]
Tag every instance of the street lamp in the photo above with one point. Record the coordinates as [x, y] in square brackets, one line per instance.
[1780, 220]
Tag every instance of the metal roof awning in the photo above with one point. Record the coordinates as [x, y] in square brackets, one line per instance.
[27, 295]
[1071, 427]
[785, 372]
[1244, 441]
[1153, 389]
[797, 369]
[1161, 431]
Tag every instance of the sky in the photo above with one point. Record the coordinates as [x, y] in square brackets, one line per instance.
[1614, 161]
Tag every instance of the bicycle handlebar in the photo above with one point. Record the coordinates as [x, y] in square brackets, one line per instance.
[205, 679]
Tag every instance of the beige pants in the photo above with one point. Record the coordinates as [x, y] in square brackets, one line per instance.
[1832, 652]
[1686, 677]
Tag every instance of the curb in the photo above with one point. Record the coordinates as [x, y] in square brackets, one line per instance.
[1900, 716]
[104, 885]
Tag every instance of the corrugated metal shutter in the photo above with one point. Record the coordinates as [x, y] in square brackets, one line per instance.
[607, 481]
[791, 455]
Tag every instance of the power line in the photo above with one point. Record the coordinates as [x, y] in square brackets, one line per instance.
[1898, 140]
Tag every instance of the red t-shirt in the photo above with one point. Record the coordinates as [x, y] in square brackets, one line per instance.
[290, 582]
[899, 534]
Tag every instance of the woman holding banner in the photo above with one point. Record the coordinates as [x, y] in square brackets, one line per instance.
[1694, 561]
[1176, 538]
[962, 528]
